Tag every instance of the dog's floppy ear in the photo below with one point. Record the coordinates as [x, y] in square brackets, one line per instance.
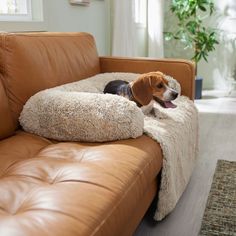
[155, 77]
[142, 90]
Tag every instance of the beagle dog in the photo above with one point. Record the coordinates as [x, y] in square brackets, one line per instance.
[146, 89]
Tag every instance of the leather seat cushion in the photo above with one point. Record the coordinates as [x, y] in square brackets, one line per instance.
[73, 188]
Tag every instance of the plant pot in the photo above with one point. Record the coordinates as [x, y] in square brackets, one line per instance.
[198, 88]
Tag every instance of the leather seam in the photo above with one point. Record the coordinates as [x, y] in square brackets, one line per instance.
[47, 35]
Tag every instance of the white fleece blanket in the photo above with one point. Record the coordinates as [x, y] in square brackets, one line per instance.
[175, 129]
[177, 133]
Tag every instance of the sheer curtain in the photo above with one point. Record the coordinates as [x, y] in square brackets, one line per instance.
[155, 16]
[130, 36]
[123, 39]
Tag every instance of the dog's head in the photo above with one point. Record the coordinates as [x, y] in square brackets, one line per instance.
[153, 85]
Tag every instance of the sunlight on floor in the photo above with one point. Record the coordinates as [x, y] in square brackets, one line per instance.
[214, 101]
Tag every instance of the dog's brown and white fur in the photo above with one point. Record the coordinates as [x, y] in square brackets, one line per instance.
[145, 90]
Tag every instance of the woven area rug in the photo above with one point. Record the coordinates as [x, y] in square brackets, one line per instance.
[220, 213]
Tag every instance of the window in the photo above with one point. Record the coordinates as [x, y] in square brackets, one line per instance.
[140, 12]
[15, 10]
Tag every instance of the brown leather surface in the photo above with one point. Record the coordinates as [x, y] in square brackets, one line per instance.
[181, 70]
[19, 147]
[31, 62]
[139, 212]
[6, 124]
[75, 188]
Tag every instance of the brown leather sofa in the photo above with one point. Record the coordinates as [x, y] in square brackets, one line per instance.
[71, 188]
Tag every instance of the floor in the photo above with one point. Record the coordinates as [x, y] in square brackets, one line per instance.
[217, 121]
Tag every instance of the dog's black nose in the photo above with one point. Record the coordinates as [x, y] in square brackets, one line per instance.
[174, 95]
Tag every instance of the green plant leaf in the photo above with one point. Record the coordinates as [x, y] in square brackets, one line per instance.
[192, 26]
[168, 36]
[192, 32]
[201, 7]
[212, 8]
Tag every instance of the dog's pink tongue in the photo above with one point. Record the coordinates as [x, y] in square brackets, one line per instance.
[169, 105]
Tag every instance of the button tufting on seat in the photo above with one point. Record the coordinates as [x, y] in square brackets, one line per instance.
[67, 188]
[68, 151]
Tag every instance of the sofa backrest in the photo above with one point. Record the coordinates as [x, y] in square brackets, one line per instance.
[6, 124]
[30, 62]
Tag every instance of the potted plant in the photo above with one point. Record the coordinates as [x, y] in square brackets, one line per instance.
[192, 31]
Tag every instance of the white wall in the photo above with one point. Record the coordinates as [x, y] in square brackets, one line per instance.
[61, 16]
[94, 19]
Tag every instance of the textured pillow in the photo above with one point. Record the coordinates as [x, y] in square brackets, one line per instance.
[81, 116]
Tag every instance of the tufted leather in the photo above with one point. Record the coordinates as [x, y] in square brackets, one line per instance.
[73, 188]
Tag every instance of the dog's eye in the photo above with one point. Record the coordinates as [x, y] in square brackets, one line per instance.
[160, 86]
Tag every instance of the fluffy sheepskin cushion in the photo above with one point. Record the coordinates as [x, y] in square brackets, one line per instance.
[81, 116]
[79, 111]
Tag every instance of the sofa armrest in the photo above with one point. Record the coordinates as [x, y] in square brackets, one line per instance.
[181, 70]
